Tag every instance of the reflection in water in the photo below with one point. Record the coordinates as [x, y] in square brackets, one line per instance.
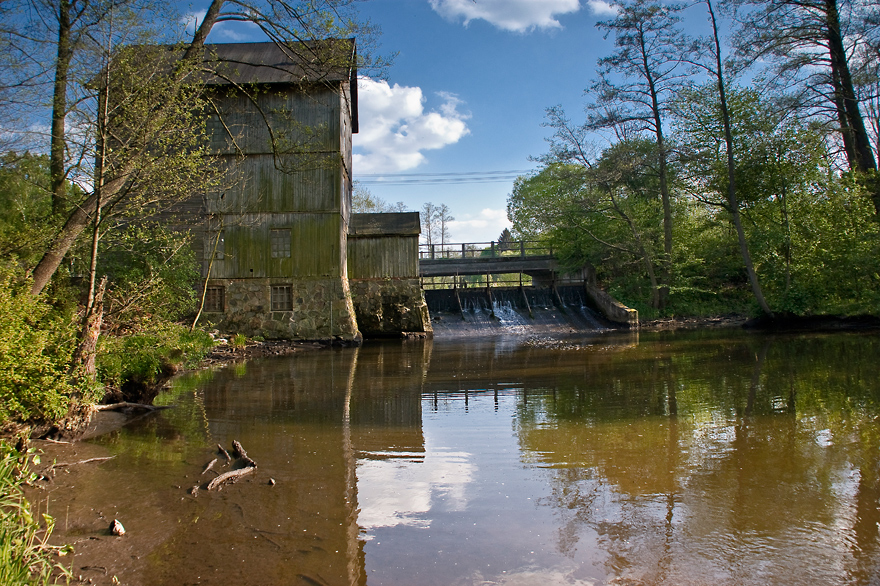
[671, 458]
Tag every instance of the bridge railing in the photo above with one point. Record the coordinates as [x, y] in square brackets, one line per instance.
[482, 250]
[495, 280]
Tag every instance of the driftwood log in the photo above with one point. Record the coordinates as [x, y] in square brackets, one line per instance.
[209, 466]
[233, 475]
[224, 452]
[132, 406]
[242, 454]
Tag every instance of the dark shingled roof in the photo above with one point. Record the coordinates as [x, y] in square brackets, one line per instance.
[328, 61]
[312, 62]
[392, 224]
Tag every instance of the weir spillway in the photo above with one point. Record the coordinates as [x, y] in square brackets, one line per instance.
[513, 310]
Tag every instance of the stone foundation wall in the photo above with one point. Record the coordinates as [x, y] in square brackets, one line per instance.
[390, 307]
[322, 310]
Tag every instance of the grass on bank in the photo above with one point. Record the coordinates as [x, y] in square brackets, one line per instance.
[26, 558]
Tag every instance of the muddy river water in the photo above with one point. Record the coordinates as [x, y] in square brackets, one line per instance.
[720, 457]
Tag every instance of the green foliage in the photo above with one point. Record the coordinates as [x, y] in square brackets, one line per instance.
[157, 348]
[25, 556]
[811, 232]
[152, 271]
[36, 343]
[26, 220]
[363, 201]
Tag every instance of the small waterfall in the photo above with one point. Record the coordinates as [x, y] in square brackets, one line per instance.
[512, 311]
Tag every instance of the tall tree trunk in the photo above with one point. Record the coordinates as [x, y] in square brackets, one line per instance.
[666, 264]
[732, 200]
[849, 147]
[58, 176]
[840, 70]
[83, 361]
[862, 157]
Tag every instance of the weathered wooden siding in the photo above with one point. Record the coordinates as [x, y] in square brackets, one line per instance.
[259, 186]
[314, 246]
[383, 246]
[345, 115]
[296, 115]
[383, 256]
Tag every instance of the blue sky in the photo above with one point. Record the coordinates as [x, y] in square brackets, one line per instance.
[466, 94]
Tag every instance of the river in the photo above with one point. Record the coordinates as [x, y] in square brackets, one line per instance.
[714, 457]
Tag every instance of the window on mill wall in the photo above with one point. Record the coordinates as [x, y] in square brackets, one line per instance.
[215, 299]
[282, 298]
[280, 242]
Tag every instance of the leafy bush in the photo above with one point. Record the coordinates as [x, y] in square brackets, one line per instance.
[152, 272]
[143, 356]
[24, 553]
[36, 343]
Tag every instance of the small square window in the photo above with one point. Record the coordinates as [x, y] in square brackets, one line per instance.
[215, 299]
[282, 298]
[281, 243]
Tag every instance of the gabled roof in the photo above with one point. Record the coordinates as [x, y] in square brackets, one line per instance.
[314, 62]
[332, 60]
[384, 224]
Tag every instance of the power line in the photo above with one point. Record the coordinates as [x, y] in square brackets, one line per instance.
[440, 178]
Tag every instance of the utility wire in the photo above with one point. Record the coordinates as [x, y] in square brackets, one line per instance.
[440, 178]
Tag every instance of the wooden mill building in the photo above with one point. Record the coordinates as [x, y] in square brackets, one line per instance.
[275, 243]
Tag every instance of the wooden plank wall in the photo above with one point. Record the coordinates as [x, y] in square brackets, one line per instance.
[373, 257]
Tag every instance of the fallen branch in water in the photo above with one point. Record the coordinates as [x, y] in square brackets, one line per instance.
[231, 476]
[242, 454]
[224, 452]
[209, 466]
[133, 406]
[64, 464]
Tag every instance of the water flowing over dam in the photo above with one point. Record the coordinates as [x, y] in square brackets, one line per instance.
[513, 310]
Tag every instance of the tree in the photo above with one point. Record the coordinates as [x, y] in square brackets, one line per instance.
[364, 202]
[813, 43]
[443, 220]
[602, 214]
[620, 185]
[428, 218]
[435, 223]
[649, 58]
[716, 69]
[505, 241]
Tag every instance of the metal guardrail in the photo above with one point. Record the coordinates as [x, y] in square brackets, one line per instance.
[495, 280]
[483, 250]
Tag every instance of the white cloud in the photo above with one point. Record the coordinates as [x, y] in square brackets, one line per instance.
[396, 492]
[395, 129]
[602, 8]
[509, 15]
[483, 227]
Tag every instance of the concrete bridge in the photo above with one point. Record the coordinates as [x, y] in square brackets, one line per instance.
[487, 258]
[521, 257]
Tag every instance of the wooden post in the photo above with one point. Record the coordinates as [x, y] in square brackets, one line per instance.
[525, 298]
[522, 248]
[493, 249]
[489, 297]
